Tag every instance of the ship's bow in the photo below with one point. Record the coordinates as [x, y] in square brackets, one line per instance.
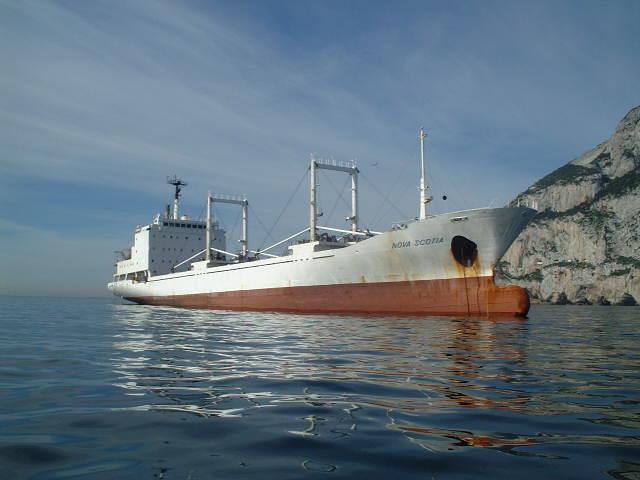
[503, 227]
[479, 240]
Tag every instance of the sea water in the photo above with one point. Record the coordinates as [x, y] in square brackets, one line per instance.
[93, 388]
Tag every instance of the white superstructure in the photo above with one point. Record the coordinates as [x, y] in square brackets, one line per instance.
[169, 243]
[160, 248]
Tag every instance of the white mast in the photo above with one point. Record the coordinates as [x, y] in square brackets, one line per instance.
[423, 187]
[244, 203]
[207, 254]
[354, 199]
[245, 228]
[313, 213]
[336, 166]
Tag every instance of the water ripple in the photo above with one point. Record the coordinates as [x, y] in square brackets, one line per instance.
[193, 393]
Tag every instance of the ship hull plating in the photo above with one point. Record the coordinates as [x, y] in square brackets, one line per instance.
[421, 269]
[459, 296]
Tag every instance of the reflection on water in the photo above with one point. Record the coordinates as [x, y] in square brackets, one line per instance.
[422, 373]
[89, 389]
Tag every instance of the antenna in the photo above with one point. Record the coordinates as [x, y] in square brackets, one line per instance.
[178, 184]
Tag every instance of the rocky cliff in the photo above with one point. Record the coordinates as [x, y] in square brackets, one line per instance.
[584, 244]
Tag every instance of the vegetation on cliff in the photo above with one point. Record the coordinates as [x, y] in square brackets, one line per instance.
[584, 245]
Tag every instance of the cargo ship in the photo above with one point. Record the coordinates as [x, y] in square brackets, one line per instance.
[432, 265]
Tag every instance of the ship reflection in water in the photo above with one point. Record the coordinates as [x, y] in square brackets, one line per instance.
[420, 390]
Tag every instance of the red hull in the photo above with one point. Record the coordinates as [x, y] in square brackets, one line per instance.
[460, 296]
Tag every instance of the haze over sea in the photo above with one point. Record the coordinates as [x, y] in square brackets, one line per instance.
[93, 388]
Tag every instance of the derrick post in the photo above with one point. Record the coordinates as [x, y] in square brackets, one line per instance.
[354, 199]
[207, 247]
[245, 228]
[313, 214]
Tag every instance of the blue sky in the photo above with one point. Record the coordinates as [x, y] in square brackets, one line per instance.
[100, 101]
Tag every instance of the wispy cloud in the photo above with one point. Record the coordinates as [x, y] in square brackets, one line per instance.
[113, 96]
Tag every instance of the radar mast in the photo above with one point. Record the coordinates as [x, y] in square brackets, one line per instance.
[178, 184]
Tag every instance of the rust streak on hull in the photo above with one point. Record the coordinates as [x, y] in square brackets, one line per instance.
[459, 296]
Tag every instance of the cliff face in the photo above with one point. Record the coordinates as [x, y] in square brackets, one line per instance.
[584, 244]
